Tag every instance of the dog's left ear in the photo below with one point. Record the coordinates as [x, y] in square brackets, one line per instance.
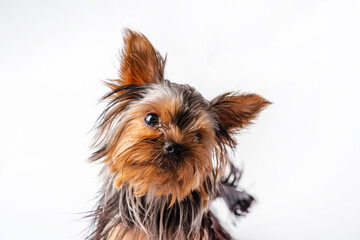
[236, 111]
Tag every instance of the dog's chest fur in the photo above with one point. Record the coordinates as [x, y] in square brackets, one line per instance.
[123, 215]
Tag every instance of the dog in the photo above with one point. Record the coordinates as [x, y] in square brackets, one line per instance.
[165, 148]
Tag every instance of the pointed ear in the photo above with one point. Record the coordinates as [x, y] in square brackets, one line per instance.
[236, 111]
[141, 63]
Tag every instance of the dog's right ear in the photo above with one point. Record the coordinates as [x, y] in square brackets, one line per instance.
[141, 63]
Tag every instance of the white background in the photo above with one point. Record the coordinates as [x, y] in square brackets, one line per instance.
[301, 158]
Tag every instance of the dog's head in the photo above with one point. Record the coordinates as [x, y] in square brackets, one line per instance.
[163, 138]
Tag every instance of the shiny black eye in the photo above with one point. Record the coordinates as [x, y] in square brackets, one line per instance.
[151, 119]
[198, 137]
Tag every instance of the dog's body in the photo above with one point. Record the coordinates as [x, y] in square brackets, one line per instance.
[165, 153]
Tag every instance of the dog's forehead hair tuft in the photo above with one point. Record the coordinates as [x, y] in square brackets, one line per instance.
[182, 102]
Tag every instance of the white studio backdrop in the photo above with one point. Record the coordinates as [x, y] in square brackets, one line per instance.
[301, 158]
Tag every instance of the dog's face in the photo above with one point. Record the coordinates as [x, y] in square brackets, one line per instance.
[163, 138]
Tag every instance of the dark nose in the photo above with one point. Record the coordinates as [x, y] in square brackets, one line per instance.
[172, 148]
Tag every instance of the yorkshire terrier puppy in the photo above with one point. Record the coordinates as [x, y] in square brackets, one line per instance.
[165, 153]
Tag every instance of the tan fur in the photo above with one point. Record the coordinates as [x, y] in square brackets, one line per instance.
[127, 164]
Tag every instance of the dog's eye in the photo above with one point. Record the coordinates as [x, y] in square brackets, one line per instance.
[151, 119]
[198, 137]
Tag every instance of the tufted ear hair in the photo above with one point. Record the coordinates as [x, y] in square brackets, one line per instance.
[235, 111]
[141, 63]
